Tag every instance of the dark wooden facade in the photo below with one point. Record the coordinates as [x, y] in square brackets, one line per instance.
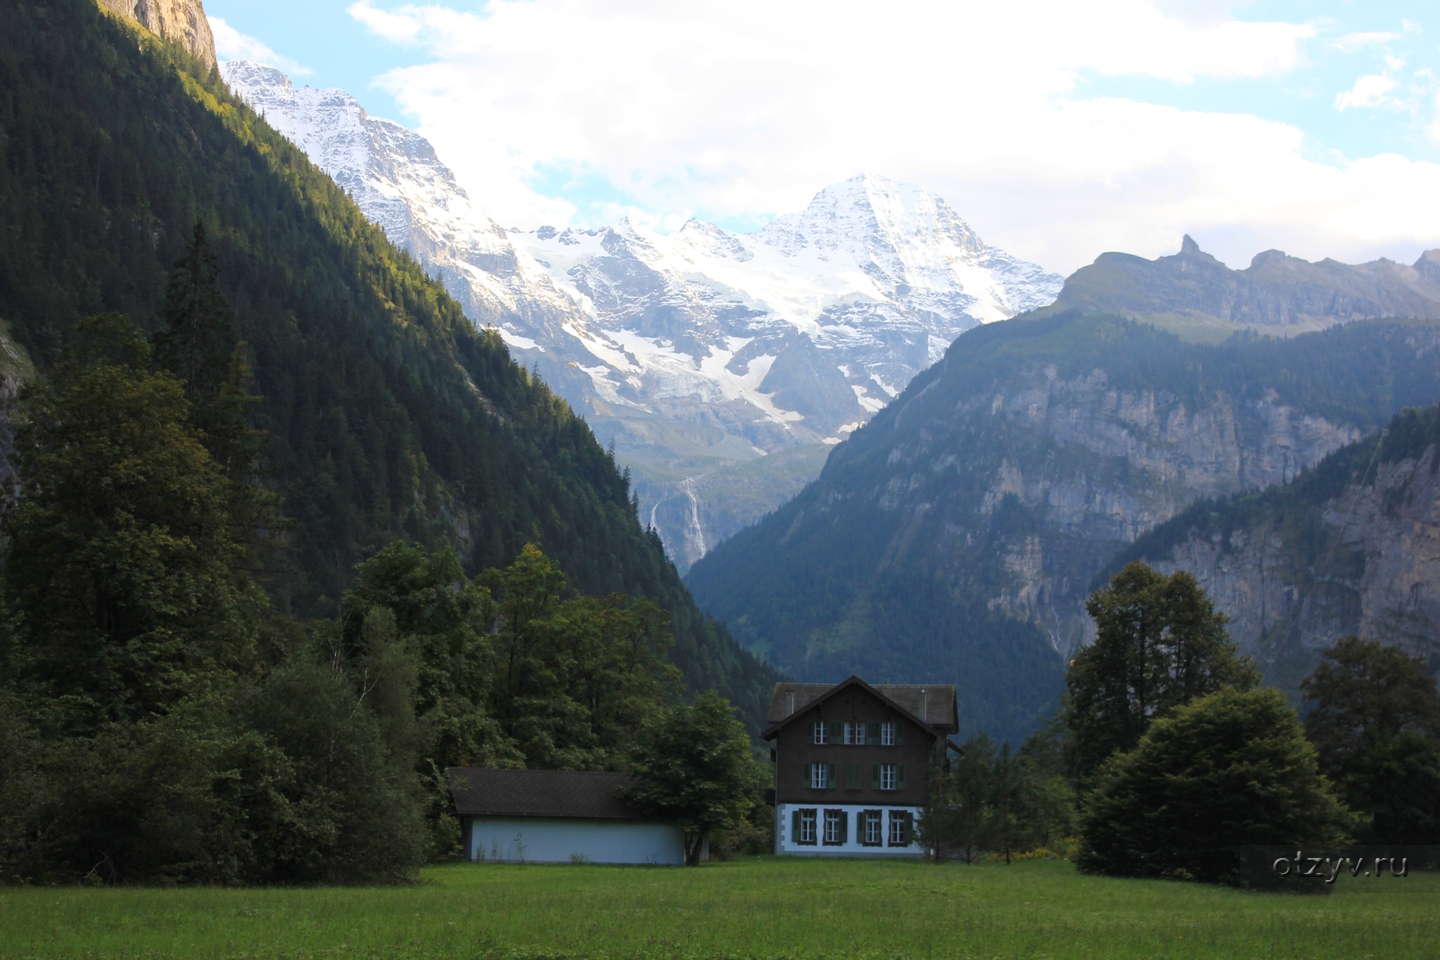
[874, 744]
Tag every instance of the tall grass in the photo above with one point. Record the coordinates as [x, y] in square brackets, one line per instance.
[758, 908]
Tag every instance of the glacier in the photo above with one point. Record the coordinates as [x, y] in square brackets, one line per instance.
[722, 366]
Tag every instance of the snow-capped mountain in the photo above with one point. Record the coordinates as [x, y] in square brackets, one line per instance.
[699, 353]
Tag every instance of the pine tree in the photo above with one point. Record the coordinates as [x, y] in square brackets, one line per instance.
[1159, 644]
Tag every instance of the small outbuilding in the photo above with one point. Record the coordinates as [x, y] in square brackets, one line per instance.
[556, 816]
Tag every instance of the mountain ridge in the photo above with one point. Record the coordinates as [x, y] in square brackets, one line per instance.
[386, 414]
[697, 352]
[963, 526]
[1200, 297]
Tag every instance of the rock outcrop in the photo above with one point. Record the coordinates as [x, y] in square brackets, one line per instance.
[180, 21]
[1352, 547]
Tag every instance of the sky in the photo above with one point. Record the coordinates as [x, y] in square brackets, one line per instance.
[1059, 129]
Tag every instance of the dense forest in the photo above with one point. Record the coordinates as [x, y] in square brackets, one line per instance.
[385, 414]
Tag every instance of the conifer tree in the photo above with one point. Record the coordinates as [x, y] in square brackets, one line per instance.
[1159, 644]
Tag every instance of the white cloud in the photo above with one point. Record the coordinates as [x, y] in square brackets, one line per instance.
[736, 108]
[1356, 41]
[1371, 90]
[231, 44]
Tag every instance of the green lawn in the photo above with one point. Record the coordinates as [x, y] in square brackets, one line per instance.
[755, 908]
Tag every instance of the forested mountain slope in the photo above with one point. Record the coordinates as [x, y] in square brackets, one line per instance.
[955, 536]
[387, 414]
[1350, 547]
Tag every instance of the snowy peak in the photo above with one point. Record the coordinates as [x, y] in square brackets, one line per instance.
[697, 350]
[400, 183]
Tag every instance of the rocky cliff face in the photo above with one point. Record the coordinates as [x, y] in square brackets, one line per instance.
[1097, 466]
[1353, 548]
[964, 526]
[180, 21]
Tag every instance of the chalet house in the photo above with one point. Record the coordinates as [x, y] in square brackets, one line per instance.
[851, 762]
[556, 816]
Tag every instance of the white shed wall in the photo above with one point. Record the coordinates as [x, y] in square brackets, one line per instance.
[543, 840]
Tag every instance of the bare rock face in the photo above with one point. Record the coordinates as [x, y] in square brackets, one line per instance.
[1353, 550]
[180, 21]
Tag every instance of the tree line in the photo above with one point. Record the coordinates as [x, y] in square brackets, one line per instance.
[162, 720]
[1168, 759]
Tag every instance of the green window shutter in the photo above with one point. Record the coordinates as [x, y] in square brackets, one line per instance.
[852, 776]
[807, 774]
[844, 827]
[900, 733]
[837, 731]
[795, 826]
[900, 777]
[830, 775]
[874, 776]
[872, 732]
[809, 733]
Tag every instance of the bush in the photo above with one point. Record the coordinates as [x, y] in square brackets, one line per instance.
[1231, 770]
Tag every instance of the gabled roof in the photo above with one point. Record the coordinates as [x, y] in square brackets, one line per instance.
[539, 793]
[938, 702]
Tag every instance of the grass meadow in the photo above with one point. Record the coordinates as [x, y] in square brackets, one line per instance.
[756, 908]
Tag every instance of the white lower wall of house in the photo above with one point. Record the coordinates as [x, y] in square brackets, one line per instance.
[544, 840]
[852, 847]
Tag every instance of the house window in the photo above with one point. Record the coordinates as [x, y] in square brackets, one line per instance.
[805, 826]
[871, 819]
[835, 832]
[820, 776]
[854, 734]
[887, 776]
[887, 734]
[899, 828]
[818, 732]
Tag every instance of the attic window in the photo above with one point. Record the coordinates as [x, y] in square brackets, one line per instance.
[789, 703]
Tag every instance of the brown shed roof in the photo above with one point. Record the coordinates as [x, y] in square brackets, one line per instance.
[539, 793]
[939, 708]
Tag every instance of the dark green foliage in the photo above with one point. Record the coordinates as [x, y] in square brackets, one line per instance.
[386, 414]
[694, 765]
[1230, 770]
[127, 586]
[1374, 719]
[1159, 644]
[509, 670]
[897, 562]
[991, 798]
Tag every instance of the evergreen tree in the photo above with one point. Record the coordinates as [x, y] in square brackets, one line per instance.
[126, 583]
[1159, 644]
[1375, 722]
[1230, 770]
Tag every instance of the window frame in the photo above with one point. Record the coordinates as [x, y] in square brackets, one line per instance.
[887, 733]
[867, 819]
[807, 818]
[890, 770]
[819, 733]
[899, 822]
[833, 818]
